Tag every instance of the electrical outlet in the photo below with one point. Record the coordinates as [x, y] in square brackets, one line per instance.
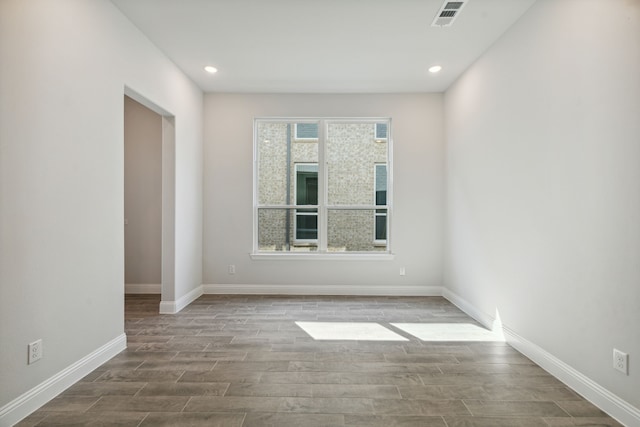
[621, 361]
[403, 271]
[232, 269]
[35, 351]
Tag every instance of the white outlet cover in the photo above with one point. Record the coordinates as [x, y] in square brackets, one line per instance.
[621, 361]
[35, 351]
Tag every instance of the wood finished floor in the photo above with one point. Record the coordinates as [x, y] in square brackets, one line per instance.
[242, 361]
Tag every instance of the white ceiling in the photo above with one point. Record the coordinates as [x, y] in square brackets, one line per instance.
[320, 46]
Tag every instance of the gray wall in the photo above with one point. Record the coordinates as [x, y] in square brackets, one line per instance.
[543, 169]
[417, 124]
[142, 194]
[65, 65]
[541, 183]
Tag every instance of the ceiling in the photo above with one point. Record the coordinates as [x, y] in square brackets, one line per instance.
[321, 46]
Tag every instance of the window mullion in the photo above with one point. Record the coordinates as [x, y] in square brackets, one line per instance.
[322, 188]
[255, 185]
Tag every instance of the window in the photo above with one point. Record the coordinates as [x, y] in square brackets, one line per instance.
[381, 132]
[322, 186]
[306, 131]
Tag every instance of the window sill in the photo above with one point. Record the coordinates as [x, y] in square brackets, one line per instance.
[320, 256]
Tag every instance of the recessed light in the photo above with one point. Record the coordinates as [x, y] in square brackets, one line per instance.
[210, 69]
[435, 69]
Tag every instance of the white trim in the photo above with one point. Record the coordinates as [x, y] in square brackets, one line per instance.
[142, 288]
[254, 183]
[365, 290]
[613, 405]
[323, 206]
[173, 307]
[322, 256]
[323, 186]
[604, 399]
[485, 319]
[19, 408]
[168, 307]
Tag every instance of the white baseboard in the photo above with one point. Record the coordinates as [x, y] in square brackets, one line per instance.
[608, 402]
[142, 288]
[485, 319]
[242, 289]
[613, 405]
[19, 408]
[173, 307]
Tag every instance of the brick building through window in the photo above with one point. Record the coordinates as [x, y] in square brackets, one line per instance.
[322, 185]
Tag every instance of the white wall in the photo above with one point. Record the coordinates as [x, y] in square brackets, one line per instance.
[543, 176]
[65, 65]
[418, 160]
[142, 194]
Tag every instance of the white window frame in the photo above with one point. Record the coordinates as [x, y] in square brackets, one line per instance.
[323, 207]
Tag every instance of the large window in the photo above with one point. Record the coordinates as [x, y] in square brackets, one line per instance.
[322, 185]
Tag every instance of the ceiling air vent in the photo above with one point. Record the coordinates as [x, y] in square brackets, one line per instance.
[447, 13]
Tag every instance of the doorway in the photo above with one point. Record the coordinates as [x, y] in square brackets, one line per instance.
[149, 198]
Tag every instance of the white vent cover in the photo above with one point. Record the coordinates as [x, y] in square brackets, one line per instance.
[447, 13]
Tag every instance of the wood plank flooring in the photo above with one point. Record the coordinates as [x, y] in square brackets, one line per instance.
[243, 361]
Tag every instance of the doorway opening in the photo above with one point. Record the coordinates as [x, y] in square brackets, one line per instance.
[149, 198]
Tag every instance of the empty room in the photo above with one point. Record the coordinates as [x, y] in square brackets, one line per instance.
[295, 212]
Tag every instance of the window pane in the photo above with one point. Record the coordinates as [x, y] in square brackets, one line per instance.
[381, 131]
[307, 224]
[277, 154]
[306, 131]
[381, 184]
[381, 224]
[276, 230]
[306, 184]
[352, 230]
[306, 194]
[352, 152]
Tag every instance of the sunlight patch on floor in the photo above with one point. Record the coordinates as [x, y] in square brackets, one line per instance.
[354, 331]
[449, 332]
